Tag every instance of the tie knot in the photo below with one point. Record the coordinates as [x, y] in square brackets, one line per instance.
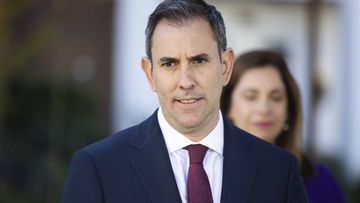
[196, 153]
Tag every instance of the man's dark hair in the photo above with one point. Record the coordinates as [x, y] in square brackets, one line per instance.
[182, 11]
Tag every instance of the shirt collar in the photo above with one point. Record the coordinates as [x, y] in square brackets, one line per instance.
[175, 140]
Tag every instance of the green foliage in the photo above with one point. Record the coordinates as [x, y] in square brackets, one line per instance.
[43, 125]
[42, 119]
[17, 48]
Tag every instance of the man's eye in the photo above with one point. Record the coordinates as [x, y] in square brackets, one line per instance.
[168, 64]
[199, 61]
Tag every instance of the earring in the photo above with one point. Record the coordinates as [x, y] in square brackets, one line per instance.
[285, 127]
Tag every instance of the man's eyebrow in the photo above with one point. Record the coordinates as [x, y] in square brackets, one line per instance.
[166, 59]
[200, 56]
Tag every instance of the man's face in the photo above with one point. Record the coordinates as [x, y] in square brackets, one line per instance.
[188, 75]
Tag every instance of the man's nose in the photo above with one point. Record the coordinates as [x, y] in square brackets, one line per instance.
[186, 78]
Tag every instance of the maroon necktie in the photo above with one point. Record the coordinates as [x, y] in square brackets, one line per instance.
[199, 190]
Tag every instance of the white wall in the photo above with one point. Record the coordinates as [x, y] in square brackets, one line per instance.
[132, 99]
[327, 115]
[350, 79]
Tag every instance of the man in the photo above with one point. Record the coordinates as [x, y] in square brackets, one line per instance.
[187, 65]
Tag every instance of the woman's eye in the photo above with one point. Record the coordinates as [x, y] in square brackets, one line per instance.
[250, 97]
[277, 98]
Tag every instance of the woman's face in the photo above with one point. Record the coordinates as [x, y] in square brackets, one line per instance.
[259, 103]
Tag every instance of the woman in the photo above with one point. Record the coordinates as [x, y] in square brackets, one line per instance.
[263, 98]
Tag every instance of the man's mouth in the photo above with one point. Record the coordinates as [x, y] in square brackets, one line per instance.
[187, 101]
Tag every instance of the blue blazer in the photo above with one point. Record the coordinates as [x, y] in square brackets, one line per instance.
[133, 166]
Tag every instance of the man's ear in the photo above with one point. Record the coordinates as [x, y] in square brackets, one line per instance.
[227, 63]
[146, 66]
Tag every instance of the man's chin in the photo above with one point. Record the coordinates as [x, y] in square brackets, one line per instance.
[189, 123]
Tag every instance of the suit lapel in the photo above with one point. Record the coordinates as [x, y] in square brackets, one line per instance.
[239, 170]
[152, 164]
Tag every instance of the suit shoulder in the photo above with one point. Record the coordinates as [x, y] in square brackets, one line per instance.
[119, 142]
[115, 141]
[264, 149]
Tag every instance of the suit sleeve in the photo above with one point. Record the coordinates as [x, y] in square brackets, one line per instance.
[296, 189]
[82, 184]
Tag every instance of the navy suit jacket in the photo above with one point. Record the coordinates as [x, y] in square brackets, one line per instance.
[133, 166]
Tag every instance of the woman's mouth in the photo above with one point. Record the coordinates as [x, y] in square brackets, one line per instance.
[263, 124]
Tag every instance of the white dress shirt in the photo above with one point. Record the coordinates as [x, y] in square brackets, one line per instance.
[179, 157]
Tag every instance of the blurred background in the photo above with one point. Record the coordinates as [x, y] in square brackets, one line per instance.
[70, 75]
